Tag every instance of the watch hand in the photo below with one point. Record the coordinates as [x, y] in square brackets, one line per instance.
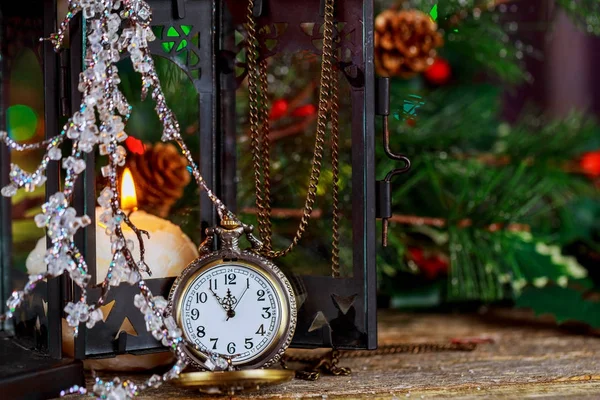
[244, 292]
[218, 300]
[230, 301]
[242, 295]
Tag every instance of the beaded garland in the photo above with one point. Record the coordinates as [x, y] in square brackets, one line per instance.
[115, 27]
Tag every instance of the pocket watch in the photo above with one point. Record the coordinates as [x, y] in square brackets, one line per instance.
[233, 304]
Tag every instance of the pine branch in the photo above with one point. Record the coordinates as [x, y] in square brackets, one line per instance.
[585, 14]
[416, 220]
[285, 213]
[294, 129]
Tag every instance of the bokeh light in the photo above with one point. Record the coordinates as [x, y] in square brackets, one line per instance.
[21, 122]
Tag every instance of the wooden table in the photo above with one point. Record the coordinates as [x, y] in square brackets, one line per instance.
[530, 358]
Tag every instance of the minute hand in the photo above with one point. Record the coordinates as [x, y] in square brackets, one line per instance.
[240, 298]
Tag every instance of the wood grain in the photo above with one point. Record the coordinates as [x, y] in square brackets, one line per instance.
[530, 358]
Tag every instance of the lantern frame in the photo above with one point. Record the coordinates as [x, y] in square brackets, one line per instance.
[31, 362]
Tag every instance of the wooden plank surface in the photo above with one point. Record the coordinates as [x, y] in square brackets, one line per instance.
[530, 358]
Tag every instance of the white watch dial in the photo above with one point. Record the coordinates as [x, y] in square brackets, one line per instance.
[232, 310]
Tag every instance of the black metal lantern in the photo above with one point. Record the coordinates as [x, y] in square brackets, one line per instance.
[30, 76]
[197, 43]
[334, 312]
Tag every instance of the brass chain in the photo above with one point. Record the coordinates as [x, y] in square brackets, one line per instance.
[335, 169]
[266, 231]
[254, 111]
[260, 144]
[329, 362]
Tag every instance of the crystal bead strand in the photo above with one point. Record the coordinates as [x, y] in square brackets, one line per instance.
[100, 121]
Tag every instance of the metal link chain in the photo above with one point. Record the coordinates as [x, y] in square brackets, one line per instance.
[335, 169]
[260, 144]
[254, 111]
[329, 363]
[265, 222]
[261, 147]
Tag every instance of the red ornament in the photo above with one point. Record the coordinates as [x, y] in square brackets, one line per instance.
[416, 254]
[304, 111]
[279, 109]
[590, 163]
[136, 146]
[439, 72]
[431, 266]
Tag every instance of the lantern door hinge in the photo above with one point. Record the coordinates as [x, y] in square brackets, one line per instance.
[64, 79]
[179, 9]
[258, 9]
[383, 189]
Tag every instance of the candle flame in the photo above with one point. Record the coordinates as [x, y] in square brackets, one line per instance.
[128, 194]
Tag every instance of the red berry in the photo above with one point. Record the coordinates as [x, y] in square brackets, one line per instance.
[434, 266]
[136, 146]
[304, 111]
[590, 163]
[279, 109]
[439, 72]
[416, 254]
[430, 265]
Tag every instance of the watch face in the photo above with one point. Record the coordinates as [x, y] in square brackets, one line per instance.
[232, 309]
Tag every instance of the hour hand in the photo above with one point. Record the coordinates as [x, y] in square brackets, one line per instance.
[230, 302]
[219, 300]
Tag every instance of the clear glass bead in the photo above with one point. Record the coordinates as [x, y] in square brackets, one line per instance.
[55, 154]
[106, 171]
[9, 190]
[154, 381]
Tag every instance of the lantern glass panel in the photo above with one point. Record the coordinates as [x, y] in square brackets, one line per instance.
[22, 110]
[24, 123]
[164, 203]
[162, 180]
[294, 96]
[169, 205]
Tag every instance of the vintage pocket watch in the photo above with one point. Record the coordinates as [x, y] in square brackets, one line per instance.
[234, 304]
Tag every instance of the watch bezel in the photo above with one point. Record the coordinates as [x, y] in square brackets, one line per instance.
[283, 337]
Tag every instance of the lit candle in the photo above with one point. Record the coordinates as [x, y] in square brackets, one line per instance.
[128, 192]
[168, 252]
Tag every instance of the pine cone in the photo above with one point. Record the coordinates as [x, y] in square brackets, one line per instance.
[405, 42]
[160, 175]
